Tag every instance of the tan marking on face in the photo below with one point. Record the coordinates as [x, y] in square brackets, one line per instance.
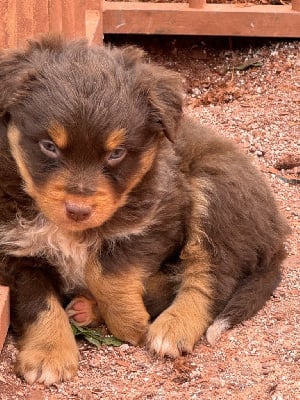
[115, 139]
[145, 165]
[52, 197]
[48, 351]
[14, 135]
[59, 135]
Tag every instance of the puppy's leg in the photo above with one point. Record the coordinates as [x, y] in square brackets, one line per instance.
[182, 324]
[84, 311]
[120, 300]
[47, 349]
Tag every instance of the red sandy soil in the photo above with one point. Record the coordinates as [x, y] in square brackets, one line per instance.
[259, 108]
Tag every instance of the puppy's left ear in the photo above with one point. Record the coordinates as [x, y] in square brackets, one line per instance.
[159, 87]
[165, 100]
[15, 72]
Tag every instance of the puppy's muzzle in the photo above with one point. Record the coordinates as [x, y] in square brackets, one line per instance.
[77, 212]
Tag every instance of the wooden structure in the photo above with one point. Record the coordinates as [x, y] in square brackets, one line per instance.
[198, 18]
[22, 19]
[4, 313]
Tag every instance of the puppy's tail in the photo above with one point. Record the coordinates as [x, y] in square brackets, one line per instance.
[249, 298]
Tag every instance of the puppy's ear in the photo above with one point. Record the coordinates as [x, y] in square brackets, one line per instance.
[132, 55]
[19, 67]
[15, 71]
[162, 89]
[166, 100]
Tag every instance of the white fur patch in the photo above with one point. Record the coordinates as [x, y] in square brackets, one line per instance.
[163, 347]
[215, 330]
[68, 251]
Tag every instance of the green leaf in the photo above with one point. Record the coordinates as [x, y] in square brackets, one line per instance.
[94, 336]
[93, 341]
[111, 341]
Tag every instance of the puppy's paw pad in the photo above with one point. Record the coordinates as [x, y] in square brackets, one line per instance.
[82, 311]
[170, 336]
[52, 365]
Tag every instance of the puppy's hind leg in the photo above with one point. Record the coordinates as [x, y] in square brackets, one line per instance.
[249, 298]
[84, 311]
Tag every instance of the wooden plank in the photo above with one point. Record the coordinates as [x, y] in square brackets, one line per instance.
[24, 18]
[55, 15]
[213, 19]
[94, 22]
[3, 22]
[11, 24]
[4, 313]
[93, 4]
[20, 20]
[79, 15]
[73, 18]
[40, 17]
[296, 5]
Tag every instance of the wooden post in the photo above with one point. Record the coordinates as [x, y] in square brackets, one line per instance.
[4, 313]
[296, 5]
[73, 18]
[24, 19]
[94, 21]
[197, 3]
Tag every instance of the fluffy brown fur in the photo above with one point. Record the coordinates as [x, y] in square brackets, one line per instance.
[107, 190]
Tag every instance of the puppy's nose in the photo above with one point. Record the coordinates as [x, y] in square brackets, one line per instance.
[77, 212]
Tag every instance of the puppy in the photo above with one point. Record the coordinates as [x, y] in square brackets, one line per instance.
[109, 192]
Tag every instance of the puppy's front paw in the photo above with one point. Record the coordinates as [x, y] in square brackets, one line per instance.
[48, 351]
[47, 362]
[171, 334]
[84, 311]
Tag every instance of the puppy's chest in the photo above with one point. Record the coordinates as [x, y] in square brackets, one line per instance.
[67, 251]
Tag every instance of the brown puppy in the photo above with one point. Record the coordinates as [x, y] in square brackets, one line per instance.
[107, 188]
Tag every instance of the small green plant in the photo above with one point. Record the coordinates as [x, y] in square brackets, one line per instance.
[94, 336]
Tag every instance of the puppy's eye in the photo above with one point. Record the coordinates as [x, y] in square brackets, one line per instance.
[49, 148]
[116, 156]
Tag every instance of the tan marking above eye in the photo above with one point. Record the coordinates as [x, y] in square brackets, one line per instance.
[14, 135]
[58, 134]
[115, 139]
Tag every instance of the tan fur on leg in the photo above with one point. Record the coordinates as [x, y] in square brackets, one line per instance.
[182, 324]
[119, 298]
[48, 351]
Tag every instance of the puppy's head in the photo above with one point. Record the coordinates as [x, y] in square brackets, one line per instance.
[84, 125]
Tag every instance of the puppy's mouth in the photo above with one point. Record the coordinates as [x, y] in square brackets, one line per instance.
[76, 216]
[79, 216]
[76, 212]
